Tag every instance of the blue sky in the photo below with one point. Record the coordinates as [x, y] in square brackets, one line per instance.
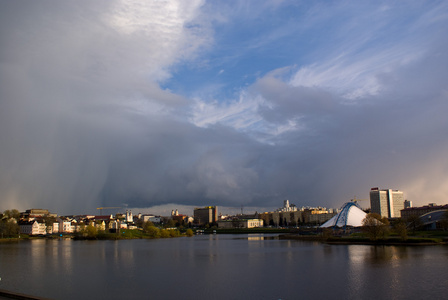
[164, 104]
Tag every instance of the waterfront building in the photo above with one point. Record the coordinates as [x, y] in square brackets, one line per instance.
[33, 227]
[240, 223]
[350, 215]
[317, 215]
[290, 215]
[435, 220]
[282, 218]
[66, 225]
[420, 211]
[205, 215]
[387, 202]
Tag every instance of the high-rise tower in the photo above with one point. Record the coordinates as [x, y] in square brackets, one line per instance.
[387, 203]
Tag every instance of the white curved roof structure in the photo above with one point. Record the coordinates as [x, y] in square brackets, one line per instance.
[350, 215]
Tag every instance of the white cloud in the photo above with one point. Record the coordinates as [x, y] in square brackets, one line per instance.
[169, 31]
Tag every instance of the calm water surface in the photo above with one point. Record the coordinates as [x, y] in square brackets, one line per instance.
[222, 267]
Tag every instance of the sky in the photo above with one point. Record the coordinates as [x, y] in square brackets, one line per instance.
[157, 105]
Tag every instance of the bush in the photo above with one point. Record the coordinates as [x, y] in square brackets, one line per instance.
[189, 232]
[174, 233]
[153, 232]
[164, 233]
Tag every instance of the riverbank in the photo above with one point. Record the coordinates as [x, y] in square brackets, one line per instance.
[247, 230]
[14, 295]
[392, 241]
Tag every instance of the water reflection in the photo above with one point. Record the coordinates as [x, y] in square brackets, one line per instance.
[222, 267]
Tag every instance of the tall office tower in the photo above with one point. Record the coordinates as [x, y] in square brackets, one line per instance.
[387, 203]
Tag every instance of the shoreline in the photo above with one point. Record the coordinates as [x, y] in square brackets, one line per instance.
[14, 295]
[360, 241]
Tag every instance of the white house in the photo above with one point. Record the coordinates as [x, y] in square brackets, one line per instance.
[32, 227]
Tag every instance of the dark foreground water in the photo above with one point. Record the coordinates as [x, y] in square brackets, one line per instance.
[222, 267]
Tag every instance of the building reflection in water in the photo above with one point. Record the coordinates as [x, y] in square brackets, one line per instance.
[363, 259]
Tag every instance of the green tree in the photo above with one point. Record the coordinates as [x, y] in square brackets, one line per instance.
[139, 223]
[173, 233]
[91, 231]
[170, 224]
[164, 233]
[146, 226]
[9, 228]
[152, 231]
[375, 227]
[400, 228]
[12, 214]
[189, 232]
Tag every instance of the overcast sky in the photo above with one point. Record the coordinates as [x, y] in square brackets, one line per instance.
[229, 103]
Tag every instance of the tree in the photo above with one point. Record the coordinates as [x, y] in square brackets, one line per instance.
[414, 222]
[174, 232]
[444, 221]
[375, 227]
[189, 232]
[139, 223]
[147, 225]
[9, 228]
[170, 224]
[12, 214]
[400, 228]
[152, 231]
[91, 231]
[164, 233]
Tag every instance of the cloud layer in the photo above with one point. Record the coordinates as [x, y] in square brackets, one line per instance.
[114, 103]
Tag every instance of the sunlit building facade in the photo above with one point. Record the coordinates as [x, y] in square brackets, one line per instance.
[387, 202]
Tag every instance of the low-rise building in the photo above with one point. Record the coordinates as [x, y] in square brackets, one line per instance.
[33, 227]
[240, 223]
[420, 211]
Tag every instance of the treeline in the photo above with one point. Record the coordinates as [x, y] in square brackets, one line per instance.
[148, 230]
[8, 224]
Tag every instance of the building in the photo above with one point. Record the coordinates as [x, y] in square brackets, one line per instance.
[240, 223]
[420, 211]
[206, 215]
[33, 227]
[152, 218]
[350, 215]
[387, 203]
[129, 217]
[407, 204]
[37, 213]
[287, 207]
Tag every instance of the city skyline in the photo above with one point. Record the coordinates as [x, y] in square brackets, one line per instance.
[120, 103]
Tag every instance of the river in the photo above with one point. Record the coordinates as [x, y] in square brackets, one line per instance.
[222, 267]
